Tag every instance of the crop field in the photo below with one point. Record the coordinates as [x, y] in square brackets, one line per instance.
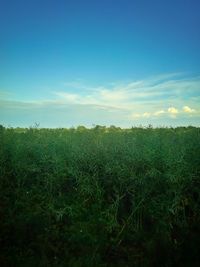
[100, 197]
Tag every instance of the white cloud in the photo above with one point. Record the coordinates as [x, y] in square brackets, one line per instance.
[172, 111]
[159, 112]
[188, 109]
[146, 114]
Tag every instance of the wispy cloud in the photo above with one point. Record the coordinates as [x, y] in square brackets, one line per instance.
[159, 113]
[168, 98]
[164, 91]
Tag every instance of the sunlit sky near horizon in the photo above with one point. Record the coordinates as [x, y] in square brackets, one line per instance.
[121, 62]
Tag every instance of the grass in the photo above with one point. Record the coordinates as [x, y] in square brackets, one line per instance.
[100, 197]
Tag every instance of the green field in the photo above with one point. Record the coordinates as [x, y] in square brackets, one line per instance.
[100, 197]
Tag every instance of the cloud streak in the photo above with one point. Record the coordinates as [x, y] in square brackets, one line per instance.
[163, 99]
[164, 91]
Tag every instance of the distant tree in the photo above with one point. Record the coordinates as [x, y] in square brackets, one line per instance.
[114, 128]
[1, 127]
[99, 128]
[81, 128]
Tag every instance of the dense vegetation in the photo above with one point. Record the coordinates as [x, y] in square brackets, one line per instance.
[100, 197]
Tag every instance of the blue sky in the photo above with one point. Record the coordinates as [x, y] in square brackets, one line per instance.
[122, 62]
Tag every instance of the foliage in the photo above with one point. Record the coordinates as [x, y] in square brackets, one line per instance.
[100, 197]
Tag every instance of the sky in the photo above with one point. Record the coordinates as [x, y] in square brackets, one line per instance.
[65, 63]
